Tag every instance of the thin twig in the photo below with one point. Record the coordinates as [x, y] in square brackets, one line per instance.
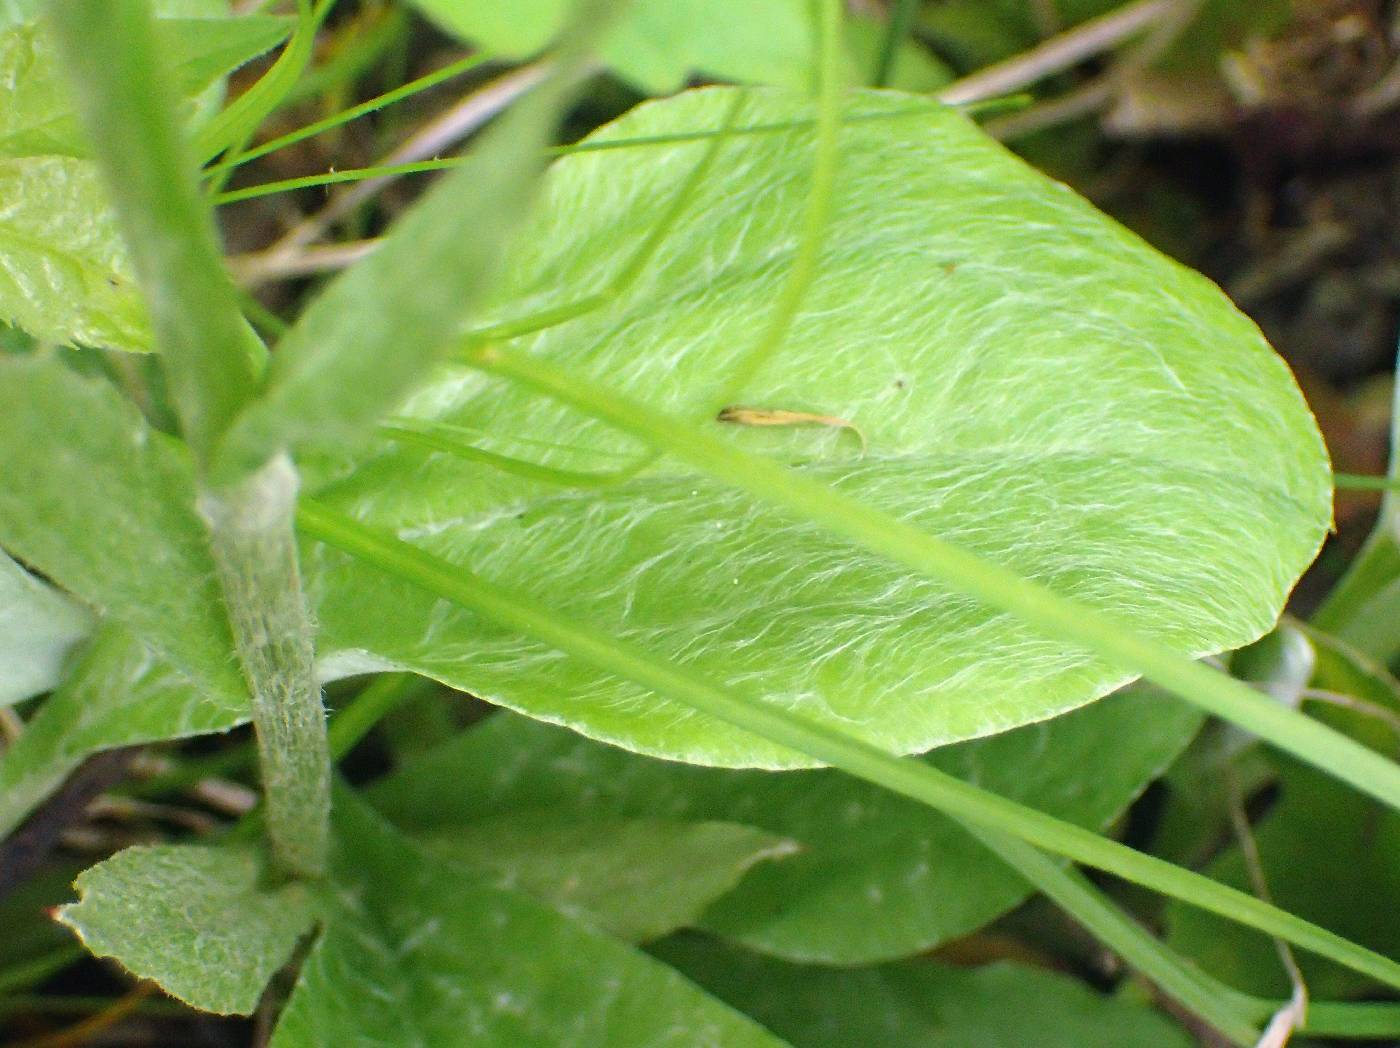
[11, 727]
[1294, 1014]
[1175, 16]
[83, 1032]
[1058, 53]
[450, 127]
[259, 267]
[1371, 709]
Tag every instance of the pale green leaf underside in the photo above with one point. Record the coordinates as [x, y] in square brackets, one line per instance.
[1036, 384]
[877, 876]
[419, 953]
[197, 920]
[38, 625]
[921, 1004]
[104, 506]
[636, 879]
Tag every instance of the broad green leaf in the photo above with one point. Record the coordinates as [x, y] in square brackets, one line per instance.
[200, 921]
[1035, 385]
[64, 273]
[915, 68]
[104, 506]
[877, 876]
[38, 626]
[920, 1004]
[636, 879]
[659, 43]
[205, 50]
[38, 119]
[1361, 609]
[420, 953]
[117, 694]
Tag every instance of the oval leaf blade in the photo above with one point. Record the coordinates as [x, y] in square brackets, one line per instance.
[1029, 380]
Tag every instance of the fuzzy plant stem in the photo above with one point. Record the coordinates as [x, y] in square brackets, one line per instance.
[250, 533]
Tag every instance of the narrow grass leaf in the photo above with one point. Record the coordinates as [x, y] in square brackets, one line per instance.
[373, 333]
[122, 86]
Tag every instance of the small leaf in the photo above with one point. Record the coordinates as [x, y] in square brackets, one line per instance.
[38, 626]
[116, 694]
[636, 879]
[205, 50]
[104, 506]
[64, 273]
[420, 953]
[878, 876]
[920, 1004]
[1037, 385]
[197, 920]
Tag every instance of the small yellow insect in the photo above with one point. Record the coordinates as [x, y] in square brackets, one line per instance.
[745, 416]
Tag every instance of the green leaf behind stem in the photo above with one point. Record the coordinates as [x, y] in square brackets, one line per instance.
[878, 876]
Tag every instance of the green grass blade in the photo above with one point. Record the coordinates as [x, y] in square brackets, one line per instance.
[1368, 592]
[932, 557]
[818, 211]
[379, 327]
[237, 122]
[1229, 1012]
[398, 94]
[901, 21]
[915, 780]
[122, 91]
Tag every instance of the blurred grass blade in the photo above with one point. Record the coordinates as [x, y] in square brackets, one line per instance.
[123, 93]
[242, 117]
[374, 332]
[1363, 606]
[918, 781]
[901, 20]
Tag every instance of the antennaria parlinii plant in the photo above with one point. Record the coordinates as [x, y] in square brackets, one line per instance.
[835, 701]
